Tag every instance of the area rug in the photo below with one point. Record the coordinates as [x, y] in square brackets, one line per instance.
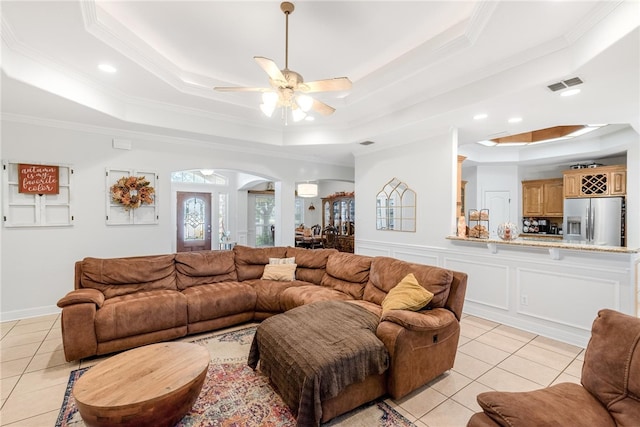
[234, 395]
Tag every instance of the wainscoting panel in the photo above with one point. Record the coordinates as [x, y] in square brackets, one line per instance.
[416, 256]
[487, 284]
[370, 250]
[564, 298]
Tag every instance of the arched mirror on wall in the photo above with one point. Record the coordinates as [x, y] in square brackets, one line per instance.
[396, 207]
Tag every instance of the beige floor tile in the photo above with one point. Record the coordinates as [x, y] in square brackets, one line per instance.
[49, 346]
[471, 331]
[450, 383]
[484, 352]
[449, 414]
[18, 351]
[514, 333]
[557, 346]
[581, 355]
[501, 380]
[575, 368]
[544, 357]
[46, 360]
[421, 401]
[566, 378]
[419, 423]
[5, 327]
[43, 420]
[480, 322]
[38, 319]
[467, 396]
[463, 340]
[530, 370]
[470, 366]
[38, 380]
[13, 367]
[7, 385]
[20, 328]
[11, 340]
[500, 341]
[54, 333]
[26, 405]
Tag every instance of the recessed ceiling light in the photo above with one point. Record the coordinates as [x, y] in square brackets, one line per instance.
[515, 120]
[570, 92]
[480, 116]
[107, 68]
[487, 143]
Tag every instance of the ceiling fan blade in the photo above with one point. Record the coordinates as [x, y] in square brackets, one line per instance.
[241, 89]
[338, 83]
[322, 108]
[271, 69]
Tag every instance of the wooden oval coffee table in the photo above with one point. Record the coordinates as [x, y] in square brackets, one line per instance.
[154, 385]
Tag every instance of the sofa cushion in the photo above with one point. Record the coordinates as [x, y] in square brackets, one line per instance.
[250, 262]
[140, 313]
[268, 293]
[611, 369]
[121, 276]
[279, 272]
[217, 300]
[347, 273]
[301, 295]
[204, 267]
[311, 263]
[564, 404]
[387, 272]
[406, 295]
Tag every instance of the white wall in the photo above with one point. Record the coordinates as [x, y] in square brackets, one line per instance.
[38, 263]
[553, 293]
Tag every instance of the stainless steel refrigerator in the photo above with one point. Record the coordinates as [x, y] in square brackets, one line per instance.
[597, 221]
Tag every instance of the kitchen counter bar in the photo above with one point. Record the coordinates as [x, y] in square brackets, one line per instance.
[550, 244]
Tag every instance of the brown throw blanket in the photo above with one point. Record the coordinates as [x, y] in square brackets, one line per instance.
[311, 353]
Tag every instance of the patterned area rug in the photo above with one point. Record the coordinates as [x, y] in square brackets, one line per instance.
[235, 395]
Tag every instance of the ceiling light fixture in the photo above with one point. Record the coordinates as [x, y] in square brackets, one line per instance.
[307, 190]
[206, 172]
[480, 116]
[515, 120]
[570, 92]
[107, 68]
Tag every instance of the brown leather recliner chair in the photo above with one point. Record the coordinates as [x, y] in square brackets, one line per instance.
[609, 394]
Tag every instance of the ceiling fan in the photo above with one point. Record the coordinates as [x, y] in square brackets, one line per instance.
[288, 89]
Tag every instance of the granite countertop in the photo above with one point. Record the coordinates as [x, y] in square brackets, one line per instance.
[549, 243]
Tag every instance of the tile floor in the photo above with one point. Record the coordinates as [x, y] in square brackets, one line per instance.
[491, 356]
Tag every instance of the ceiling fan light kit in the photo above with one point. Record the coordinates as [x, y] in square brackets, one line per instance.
[288, 89]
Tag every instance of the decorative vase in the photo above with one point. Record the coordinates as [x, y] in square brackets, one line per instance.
[508, 231]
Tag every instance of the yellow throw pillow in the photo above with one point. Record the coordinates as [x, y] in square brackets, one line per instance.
[407, 295]
[280, 272]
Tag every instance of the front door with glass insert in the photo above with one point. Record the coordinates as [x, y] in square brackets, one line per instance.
[194, 222]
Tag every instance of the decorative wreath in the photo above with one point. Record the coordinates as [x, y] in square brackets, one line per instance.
[131, 192]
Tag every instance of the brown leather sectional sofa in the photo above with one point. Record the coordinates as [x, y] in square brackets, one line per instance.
[121, 303]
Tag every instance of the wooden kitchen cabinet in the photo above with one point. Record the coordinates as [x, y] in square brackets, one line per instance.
[542, 198]
[532, 198]
[603, 181]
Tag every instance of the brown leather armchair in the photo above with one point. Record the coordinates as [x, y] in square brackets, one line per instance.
[609, 394]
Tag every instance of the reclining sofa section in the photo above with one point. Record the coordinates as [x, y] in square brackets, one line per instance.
[121, 303]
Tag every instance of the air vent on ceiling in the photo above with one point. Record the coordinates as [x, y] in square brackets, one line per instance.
[367, 143]
[574, 81]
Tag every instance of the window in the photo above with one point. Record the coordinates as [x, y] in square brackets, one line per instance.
[223, 216]
[299, 211]
[265, 219]
[198, 177]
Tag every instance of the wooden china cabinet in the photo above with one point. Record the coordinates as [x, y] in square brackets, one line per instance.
[338, 210]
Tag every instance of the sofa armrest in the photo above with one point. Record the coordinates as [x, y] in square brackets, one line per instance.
[427, 320]
[80, 296]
